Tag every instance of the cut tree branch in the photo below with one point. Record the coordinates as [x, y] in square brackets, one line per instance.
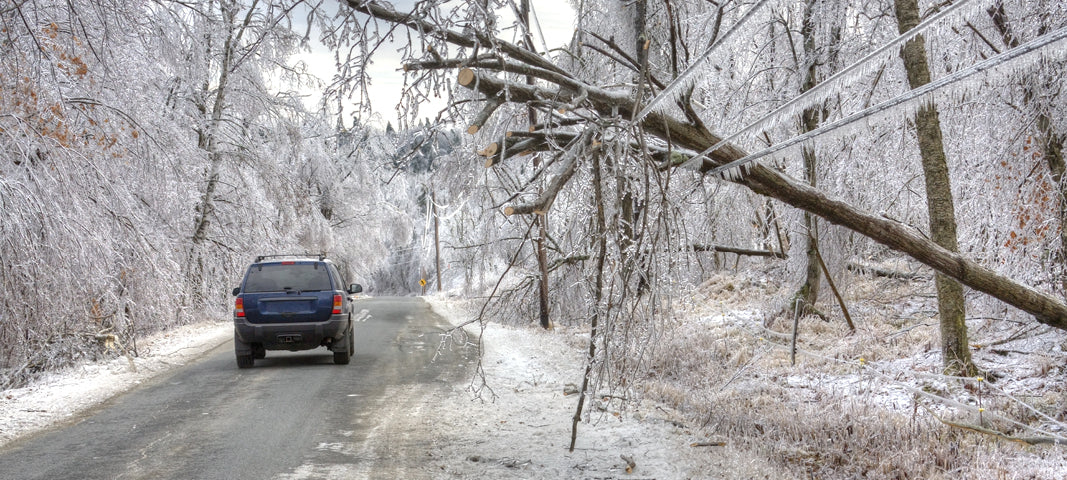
[512, 146]
[570, 165]
[491, 104]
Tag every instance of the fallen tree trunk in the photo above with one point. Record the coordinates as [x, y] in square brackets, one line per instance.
[765, 181]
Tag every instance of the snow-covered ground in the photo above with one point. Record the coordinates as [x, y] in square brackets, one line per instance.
[525, 431]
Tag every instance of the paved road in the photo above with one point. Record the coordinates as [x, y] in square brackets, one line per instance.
[295, 415]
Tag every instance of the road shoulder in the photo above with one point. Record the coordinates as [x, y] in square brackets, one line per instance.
[62, 396]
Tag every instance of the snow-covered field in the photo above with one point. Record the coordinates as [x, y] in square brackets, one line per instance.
[733, 405]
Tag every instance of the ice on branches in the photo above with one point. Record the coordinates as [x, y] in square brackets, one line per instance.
[1005, 63]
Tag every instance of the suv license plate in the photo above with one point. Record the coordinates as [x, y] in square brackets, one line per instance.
[288, 338]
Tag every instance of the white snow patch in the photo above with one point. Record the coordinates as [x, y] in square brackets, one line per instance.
[525, 431]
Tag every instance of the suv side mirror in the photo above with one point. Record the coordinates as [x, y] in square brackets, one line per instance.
[236, 290]
[355, 288]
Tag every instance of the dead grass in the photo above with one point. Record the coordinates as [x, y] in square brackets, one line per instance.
[861, 405]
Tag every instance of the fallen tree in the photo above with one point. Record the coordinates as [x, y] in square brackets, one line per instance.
[560, 91]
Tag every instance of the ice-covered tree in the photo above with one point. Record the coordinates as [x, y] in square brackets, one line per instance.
[694, 103]
[140, 174]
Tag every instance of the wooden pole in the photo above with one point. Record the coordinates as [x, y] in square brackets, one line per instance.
[542, 219]
[796, 328]
[436, 235]
[833, 288]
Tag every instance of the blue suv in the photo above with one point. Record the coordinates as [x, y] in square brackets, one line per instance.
[293, 302]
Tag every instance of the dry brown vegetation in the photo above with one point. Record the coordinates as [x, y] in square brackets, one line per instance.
[868, 404]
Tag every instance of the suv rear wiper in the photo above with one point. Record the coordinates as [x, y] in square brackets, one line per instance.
[299, 291]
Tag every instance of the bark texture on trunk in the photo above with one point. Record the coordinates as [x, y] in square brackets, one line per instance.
[955, 351]
[809, 121]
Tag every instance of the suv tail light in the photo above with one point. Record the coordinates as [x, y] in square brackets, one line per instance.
[336, 304]
[239, 307]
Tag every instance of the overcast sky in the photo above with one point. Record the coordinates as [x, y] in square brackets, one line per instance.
[555, 17]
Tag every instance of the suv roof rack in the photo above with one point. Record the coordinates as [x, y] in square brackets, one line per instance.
[321, 256]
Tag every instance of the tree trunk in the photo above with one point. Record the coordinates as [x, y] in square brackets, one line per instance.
[809, 291]
[955, 351]
[628, 206]
[542, 219]
[208, 141]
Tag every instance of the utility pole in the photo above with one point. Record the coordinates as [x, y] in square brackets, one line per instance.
[436, 235]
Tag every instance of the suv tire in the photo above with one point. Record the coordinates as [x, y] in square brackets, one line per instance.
[245, 361]
[343, 358]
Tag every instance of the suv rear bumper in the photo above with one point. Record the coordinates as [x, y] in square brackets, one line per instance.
[290, 336]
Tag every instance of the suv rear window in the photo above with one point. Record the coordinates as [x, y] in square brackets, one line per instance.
[276, 277]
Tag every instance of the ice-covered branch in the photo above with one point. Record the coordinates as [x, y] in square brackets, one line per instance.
[836, 81]
[1038, 45]
[696, 68]
[548, 197]
[380, 11]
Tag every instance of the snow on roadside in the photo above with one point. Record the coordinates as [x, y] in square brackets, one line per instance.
[525, 431]
[62, 395]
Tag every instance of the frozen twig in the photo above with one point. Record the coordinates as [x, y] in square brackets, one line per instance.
[1000, 435]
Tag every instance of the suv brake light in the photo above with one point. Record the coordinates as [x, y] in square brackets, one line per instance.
[239, 307]
[336, 304]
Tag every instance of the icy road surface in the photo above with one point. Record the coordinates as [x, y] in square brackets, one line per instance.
[293, 414]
